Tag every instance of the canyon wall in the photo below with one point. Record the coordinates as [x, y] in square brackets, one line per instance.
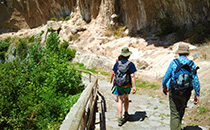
[134, 14]
[19, 14]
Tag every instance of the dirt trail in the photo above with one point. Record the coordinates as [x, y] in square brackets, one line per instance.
[148, 112]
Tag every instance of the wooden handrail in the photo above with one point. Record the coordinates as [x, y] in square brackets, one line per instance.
[80, 115]
[90, 74]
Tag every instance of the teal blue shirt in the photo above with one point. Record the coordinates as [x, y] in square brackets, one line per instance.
[170, 73]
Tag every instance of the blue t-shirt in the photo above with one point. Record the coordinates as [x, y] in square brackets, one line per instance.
[131, 66]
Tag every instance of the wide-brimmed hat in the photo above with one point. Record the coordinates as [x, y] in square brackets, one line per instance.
[183, 49]
[125, 52]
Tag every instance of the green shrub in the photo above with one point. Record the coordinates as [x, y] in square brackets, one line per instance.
[35, 53]
[64, 45]
[31, 39]
[52, 43]
[53, 19]
[21, 48]
[38, 92]
[67, 18]
[116, 33]
[70, 53]
[201, 33]
[66, 52]
[4, 45]
[166, 25]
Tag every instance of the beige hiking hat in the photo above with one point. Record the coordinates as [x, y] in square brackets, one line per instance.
[183, 49]
[125, 52]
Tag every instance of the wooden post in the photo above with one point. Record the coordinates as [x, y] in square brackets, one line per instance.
[89, 77]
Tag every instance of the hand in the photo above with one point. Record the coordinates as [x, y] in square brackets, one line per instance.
[134, 90]
[165, 90]
[196, 99]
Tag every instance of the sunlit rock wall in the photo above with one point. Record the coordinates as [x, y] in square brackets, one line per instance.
[135, 14]
[138, 14]
[18, 14]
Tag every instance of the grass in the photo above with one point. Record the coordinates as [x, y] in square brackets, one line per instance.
[160, 101]
[81, 66]
[74, 37]
[66, 18]
[199, 115]
[205, 51]
[146, 85]
[203, 110]
[102, 72]
[163, 116]
[94, 70]
[116, 31]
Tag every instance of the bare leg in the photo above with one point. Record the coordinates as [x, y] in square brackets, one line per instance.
[126, 105]
[119, 105]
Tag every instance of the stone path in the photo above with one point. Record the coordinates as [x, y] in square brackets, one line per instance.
[147, 112]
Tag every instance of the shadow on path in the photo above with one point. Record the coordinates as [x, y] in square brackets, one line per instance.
[139, 115]
[192, 128]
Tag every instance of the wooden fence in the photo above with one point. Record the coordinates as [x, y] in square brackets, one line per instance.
[82, 113]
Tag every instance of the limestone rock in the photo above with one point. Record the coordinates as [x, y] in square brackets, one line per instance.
[54, 25]
[135, 15]
[94, 61]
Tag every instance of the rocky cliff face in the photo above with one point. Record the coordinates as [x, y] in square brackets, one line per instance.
[19, 14]
[135, 14]
[138, 14]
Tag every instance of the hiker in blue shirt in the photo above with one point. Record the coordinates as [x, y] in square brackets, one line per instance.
[123, 91]
[178, 102]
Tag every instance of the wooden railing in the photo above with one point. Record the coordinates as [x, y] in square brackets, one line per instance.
[82, 113]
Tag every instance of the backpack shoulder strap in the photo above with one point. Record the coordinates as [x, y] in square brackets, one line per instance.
[178, 67]
[120, 62]
[127, 63]
[177, 61]
[190, 63]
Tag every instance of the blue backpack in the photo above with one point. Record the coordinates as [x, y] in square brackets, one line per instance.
[182, 82]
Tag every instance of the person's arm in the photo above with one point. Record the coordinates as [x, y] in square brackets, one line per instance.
[196, 86]
[133, 82]
[112, 76]
[165, 90]
[167, 77]
[196, 99]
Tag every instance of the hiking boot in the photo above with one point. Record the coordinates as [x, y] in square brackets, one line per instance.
[126, 116]
[120, 121]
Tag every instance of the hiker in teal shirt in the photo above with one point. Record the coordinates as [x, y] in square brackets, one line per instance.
[177, 102]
